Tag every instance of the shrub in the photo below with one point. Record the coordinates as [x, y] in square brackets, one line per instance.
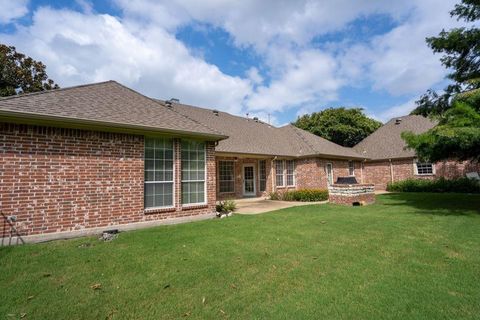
[275, 196]
[460, 185]
[306, 195]
[226, 206]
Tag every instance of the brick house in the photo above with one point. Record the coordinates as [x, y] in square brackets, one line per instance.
[388, 160]
[258, 158]
[79, 160]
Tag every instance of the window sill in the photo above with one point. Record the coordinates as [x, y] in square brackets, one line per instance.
[158, 210]
[425, 174]
[194, 206]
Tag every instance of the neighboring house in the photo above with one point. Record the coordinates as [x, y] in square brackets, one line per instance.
[258, 158]
[102, 155]
[389, 160]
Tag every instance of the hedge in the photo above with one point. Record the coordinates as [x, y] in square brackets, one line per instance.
[460, 185]
[306, 195]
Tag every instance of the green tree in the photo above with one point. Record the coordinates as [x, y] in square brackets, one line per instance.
[458, 133]
[21, 74]
[456, 136]
[346, 127]
[461, 48]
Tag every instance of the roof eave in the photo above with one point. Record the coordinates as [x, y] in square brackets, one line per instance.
[333, 156]
[87, 124]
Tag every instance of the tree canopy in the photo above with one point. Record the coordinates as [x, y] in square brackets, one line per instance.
[456, 136]
[458, 133]
[346, 127]
[461, 55]
[21, 74]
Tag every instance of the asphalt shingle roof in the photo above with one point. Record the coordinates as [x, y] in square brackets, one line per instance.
[247, 136]
[108, 104]
[387, 143]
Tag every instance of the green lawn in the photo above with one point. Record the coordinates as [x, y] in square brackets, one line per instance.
[410, 256]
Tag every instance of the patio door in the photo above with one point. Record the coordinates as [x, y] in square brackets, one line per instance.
[249, 180]
[329, 171]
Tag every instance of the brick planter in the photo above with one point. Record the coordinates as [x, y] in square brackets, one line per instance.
[352, 194]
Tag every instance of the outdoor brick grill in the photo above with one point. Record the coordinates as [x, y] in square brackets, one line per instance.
[347, 191]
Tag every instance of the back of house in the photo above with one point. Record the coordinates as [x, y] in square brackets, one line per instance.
[80, 160]
[389, 160]
[257, 158]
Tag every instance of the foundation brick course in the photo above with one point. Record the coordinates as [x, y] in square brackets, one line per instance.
[56, 180]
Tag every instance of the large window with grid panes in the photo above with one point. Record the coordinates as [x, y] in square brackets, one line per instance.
[193, 172]
[284, 173]
[290, 172]
[159, 168]
[262, 174]
[226, 176]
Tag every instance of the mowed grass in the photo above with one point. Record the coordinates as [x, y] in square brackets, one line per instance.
[410, 256]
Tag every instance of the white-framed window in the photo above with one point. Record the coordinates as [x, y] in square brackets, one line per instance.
[329, 172]
[226, 176]
[262, 174]
[193, 172]
[351, 168]
[424, 168]
[284, 173]
[279, 168]
[290, 172]
[159, 173]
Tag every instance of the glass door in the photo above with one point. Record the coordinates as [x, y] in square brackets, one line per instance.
[248, 180]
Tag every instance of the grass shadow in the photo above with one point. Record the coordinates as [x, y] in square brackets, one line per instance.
[435, 203]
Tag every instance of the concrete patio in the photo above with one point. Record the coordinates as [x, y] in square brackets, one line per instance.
[261, 205]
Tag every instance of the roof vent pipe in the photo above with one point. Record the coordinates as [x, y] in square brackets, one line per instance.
[398, 121]
[215, 112]
[168, 104]
[255, 119]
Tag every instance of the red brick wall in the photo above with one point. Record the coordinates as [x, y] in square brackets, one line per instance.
[238, 164]
[311, 174]
[454, 169]
[56, 179]
[378, 172]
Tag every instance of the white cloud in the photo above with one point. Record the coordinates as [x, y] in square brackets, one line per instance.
[85, 5]
[140, 49]
[400, 62]
[12, 9]
[259, 23]
[310, 76]
[254, 75]
[90, 48]
[396, 111]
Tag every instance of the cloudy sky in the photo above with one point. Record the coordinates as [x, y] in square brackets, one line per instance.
[281, 58]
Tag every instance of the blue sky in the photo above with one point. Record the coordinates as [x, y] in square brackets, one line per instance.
[265, 58]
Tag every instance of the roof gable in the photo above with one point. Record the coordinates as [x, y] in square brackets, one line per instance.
[387, 143]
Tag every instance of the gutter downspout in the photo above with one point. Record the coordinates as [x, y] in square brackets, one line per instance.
[362, 164]
[271, 173]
